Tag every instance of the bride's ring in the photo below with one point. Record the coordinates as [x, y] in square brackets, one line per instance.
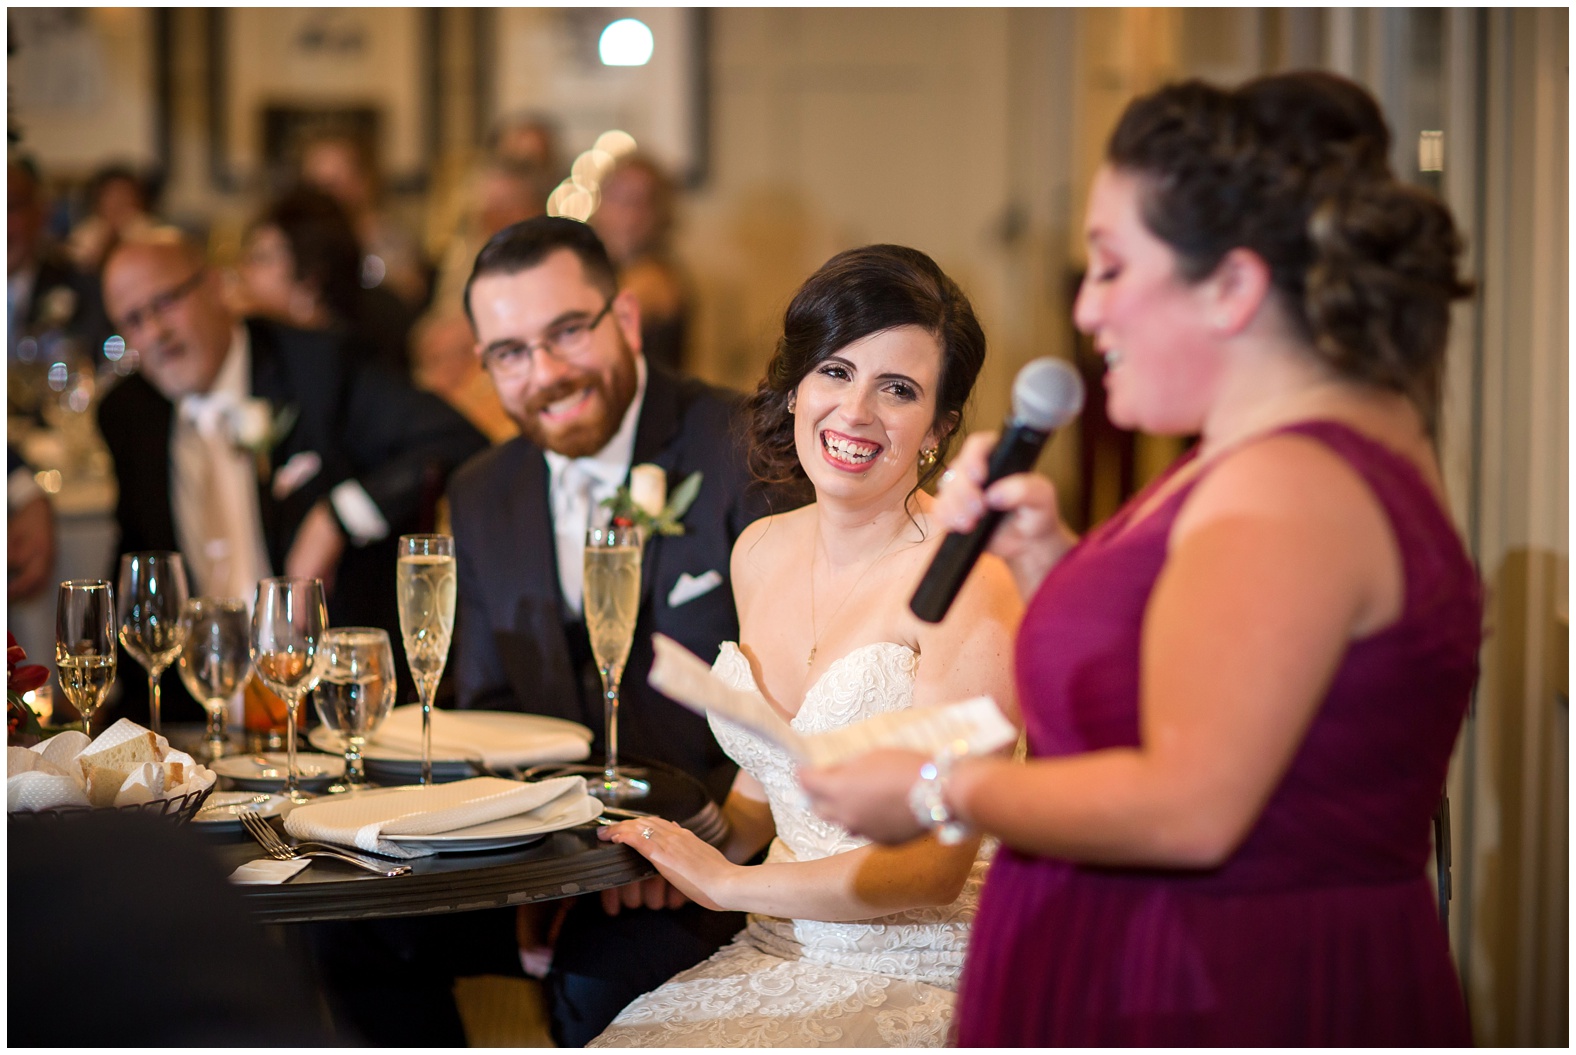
[647, 832]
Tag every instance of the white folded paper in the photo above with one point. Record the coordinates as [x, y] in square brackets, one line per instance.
[50, 775]
[976, 724]
[265, 870]
[361, 820]
[456, 734]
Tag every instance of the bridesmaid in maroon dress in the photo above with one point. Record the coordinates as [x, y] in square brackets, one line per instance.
[1242, 692]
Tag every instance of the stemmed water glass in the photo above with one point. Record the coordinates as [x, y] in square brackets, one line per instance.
[612, 601]
[214, 658]
[152, 593]
[85, 656]
[288, 622]
[356, 691]
[425, 581]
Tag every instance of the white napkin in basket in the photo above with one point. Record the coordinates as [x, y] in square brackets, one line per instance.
[361, 821]
[456, 734]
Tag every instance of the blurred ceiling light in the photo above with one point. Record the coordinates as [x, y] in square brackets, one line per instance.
[572, 200]
[590, 167]
[626, 42]
[615, 143]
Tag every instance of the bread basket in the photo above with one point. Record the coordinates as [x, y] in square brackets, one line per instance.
[177, 810]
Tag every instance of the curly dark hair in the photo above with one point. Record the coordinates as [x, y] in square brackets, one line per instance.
[324, 244]
[857, 293]
[1294, 167]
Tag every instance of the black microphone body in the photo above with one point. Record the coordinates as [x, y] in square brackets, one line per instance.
[1016, 452]
[1046, 394]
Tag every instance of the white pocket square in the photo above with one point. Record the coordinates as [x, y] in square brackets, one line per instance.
[301, 467]
[690, 587]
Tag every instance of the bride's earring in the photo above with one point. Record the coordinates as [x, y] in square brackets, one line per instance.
[793, 402]
[927, 458]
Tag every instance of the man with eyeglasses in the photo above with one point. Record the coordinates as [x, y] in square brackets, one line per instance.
[256, 449]
[562, 345]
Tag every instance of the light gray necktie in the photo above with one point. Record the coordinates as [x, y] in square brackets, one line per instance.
[571, 517]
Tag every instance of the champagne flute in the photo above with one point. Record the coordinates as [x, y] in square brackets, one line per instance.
[356, 691]
[425, 579]
[612, 601]
[214, 658]
[85, 656]
[152, 592]
[288, 622]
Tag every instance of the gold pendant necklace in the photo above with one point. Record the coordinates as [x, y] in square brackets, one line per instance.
[815, 636]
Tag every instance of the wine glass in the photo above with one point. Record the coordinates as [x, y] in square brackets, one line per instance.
[288, 622]
[424, 579]
[214, 657]
[356, 691]
[85, 654]
[612, 601]
[152, 592]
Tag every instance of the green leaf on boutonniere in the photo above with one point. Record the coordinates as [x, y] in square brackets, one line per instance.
[668, 522]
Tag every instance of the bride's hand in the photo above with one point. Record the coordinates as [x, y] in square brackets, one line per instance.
[687, 861]
[652, 893]
[868, 796]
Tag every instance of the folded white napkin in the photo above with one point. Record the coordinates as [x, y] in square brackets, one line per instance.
[267, 870]
[456, 734]
[362, 820]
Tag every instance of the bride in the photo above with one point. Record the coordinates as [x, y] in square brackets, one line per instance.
[848, 943]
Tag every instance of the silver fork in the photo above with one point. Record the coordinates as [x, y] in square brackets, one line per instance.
[279, 850]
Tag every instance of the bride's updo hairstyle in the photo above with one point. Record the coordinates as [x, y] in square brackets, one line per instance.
[855, 294]
[1294, 167]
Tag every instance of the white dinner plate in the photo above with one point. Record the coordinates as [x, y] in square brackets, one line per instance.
[266, 772]
[223, 809]
[507, 724]
[566, 811]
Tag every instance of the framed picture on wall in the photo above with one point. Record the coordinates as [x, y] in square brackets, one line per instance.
[89, 86]
[281, 75]
[554, 62]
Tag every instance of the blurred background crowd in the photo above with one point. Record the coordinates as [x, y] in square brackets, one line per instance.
[343, 166]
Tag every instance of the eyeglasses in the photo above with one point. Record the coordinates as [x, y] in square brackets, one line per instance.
[565, 342]
[158, 306]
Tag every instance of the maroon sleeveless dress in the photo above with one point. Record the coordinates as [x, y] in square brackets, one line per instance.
[1322, 928]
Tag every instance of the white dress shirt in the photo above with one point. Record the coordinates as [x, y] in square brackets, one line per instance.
[213, 485]
[577, 487]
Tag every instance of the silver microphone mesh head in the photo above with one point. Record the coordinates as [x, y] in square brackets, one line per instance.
[1047, 394]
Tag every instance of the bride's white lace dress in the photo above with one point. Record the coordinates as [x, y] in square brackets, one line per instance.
[799, 983]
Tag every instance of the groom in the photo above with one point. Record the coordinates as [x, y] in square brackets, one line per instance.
[562, 345]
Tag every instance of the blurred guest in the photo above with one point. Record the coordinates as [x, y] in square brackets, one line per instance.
[342, 166]
[118, 207]
[502, 193]
[1242, 691]
[30, 532]
[123, 914]
[301, 264]
[527, 138]
[635, 222]
[48, 300]
[257, 449]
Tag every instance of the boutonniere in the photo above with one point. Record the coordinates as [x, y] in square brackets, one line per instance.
[646, 504]
[257, 428]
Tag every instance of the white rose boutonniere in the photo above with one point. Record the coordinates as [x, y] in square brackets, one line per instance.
[645, 503]
[257, 428]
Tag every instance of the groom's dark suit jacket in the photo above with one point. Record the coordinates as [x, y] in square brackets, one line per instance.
[363, 423]
[518, 650]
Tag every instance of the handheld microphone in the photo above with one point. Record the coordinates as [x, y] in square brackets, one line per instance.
[1047, 394]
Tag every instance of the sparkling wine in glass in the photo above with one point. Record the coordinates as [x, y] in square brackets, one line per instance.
[612, 601]
[425, 581]
[152, 593]
[355, 692]
[288, 622]
[85, 654]
[214, 659]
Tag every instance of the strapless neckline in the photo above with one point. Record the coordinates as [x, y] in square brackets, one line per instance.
[732, 650]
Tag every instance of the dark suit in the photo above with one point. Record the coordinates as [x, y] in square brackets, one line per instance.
[363, 423]
[517, 649]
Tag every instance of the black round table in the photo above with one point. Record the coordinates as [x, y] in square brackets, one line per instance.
[564, 864]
